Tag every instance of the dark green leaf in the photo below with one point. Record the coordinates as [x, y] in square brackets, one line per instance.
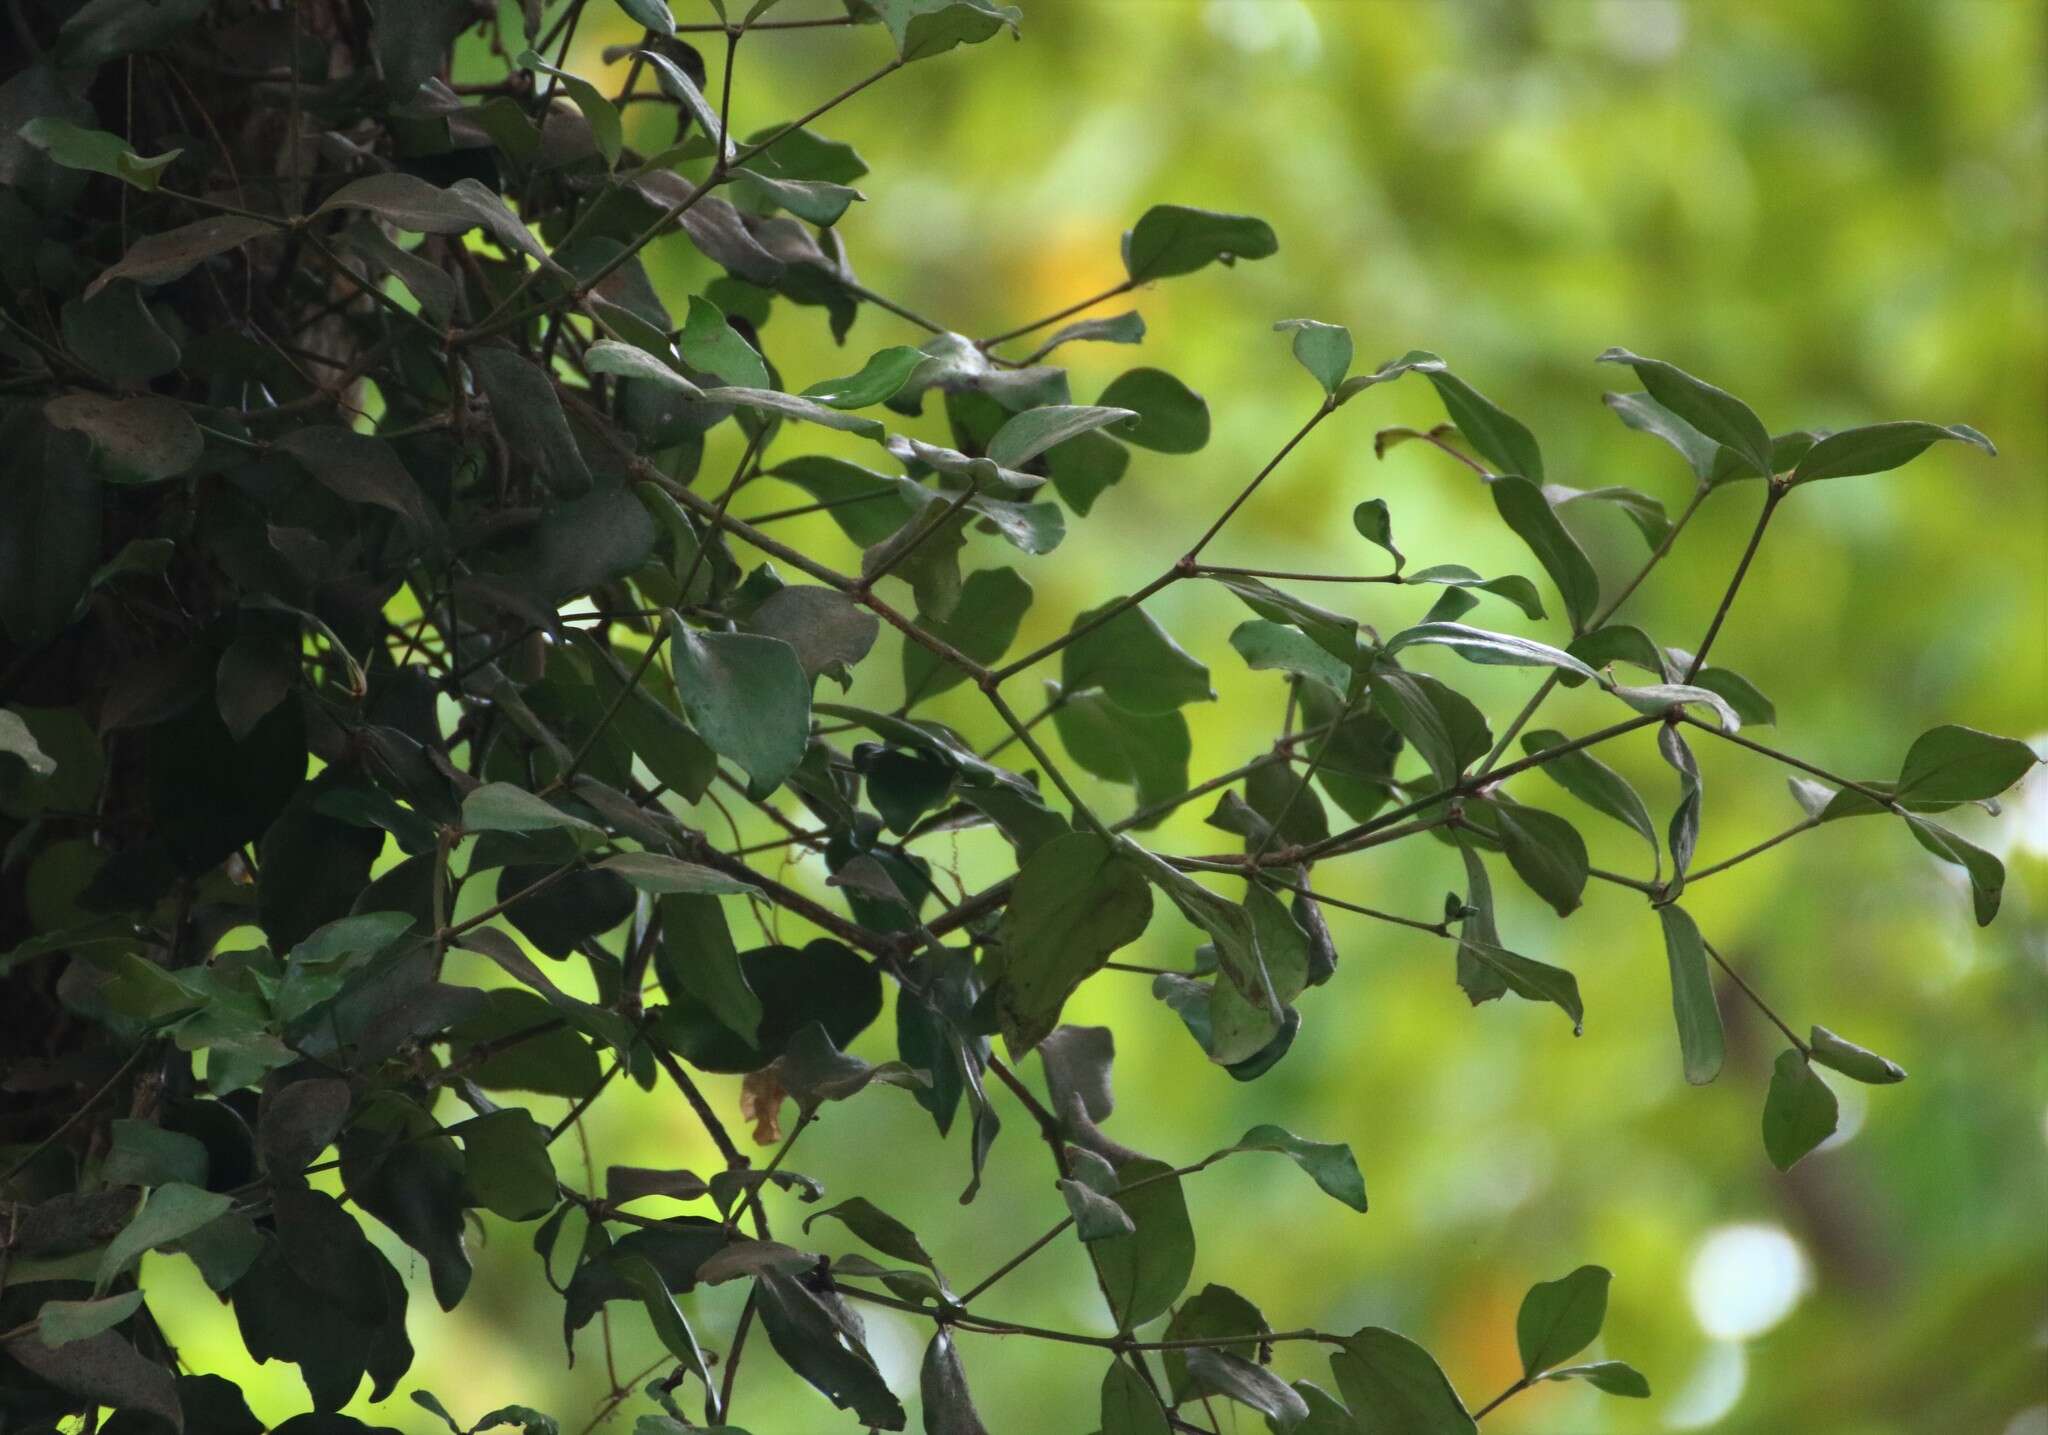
[1878, 448]
[1523, 507]
[1393, 1384]
[1075, 902]
[981, 626]
[1172, 239]
[1545, 850]
[105, 1370]
[651, 15]
[1133, 661]
[1716, 413]
[59, 1322]
[1593, 782]
[1143, 1274]
[1171, 417]
[747, 696]
[527, 413]
[1646, 415]
[1959, 764]
[142, 439]
[505, 1158]
[1692, 996]
[1800, 1110]
[1150, 753]
[1329, 1164]
[1684, 832]
[1500, 438]
[1125, 328]
[1128, 1405]
[1239, 1379]
[1531, 980]
[1560, 1318]
[818, 1347]
[1986, 872]
[942, 1381]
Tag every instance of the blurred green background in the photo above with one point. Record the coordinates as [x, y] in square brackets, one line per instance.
[1832, 207]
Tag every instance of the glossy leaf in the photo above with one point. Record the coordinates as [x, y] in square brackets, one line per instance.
[1713, 412]
[1593, 782]
[1392, 1383]
[1858, 1064]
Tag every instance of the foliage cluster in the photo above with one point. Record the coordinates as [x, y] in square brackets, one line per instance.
[384, 661]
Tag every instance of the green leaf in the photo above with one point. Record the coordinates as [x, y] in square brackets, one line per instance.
[1800, 1110]
[1855, 1062]
[1879, 448]
[1593, 782]
[747, 696]
[1236, 1378]
[697, 960]
[1645, 415]
[1128, 1405]
[75, 147]
[1529, 979]
[1171, 239]
[982, 626]
[878, 1228]
[1692, 995]
[663, 875]
[1032, 432]
[1986, 872]
[668, 1319]
[683, 90]
[1143, 1274]
[1090, 1195]
[879, 378]
[1645, 512]
[506, 1164]
[774, 401]
[650, 15]
[924, 28]
[1266, 646]
[603, 117]
[360, 469]
[1658, 699]
[1133, 661]
[711, 345]
[529, 416]
[1171, 417]
[609, 356]
[1478, 645]
[1075, 902]
[60, 1322]
[1246, 1013]
[1150, 753]
[172, 1212]
[1522, 506]
[942, 1382]
[1684, 831]
[103, 1369]
[1501, 439]
[503, 807]
[1393, 1384]
[1959, 764]
[1716, 413]
[814, 1345]
[1545, 850]
[1441, 723]
[1376, 525]
[1560, 1318]
[1609, 1377]
[1323, 349]
[141, 439]
[173, 253]
[1516, 589]
[1737, 691]
[18, 742]
[1125, 328]
[409, 202]
[1329, 1164]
